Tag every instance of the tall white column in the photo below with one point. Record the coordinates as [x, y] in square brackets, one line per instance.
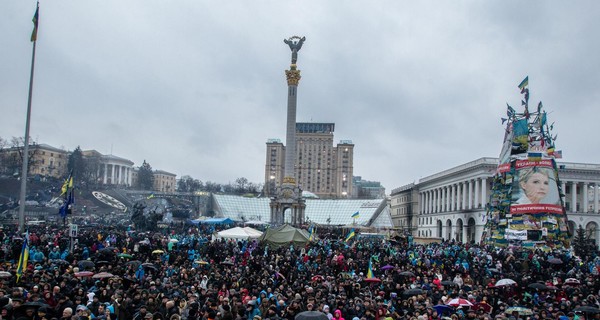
[436, 201]
[105, 173]
[483, 192]
[465, 233]
[596, 198]
[455, 198]
[443, 199]
[477, 194]
[427, 206]
[564, 191]
[585, 205]
[573, 196]
[112, 174]
[450, 195]
[463, 205]
[470, 203]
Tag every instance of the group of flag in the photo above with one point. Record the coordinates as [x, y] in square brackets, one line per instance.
[67, 191]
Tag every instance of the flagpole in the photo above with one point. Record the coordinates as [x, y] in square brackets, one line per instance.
[26, 148]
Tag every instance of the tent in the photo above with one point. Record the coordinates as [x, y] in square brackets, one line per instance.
[284, 235]
[213, 221]
[239, 233]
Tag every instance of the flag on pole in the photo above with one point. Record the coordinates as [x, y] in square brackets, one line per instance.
[67, 185]
[24, 257]
[350, 235]
[370, 271]
[558, 154]
[355, 215]
[311, 230]
[524, 83]
[35, 20]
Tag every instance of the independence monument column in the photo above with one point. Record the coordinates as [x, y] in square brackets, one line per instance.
[289, 194]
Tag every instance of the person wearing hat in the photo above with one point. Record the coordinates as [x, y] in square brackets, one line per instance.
[141, 313]
[252, 309]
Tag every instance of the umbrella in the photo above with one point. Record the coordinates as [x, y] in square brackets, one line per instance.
[442, 308]
[158, 251]
[311, 315]
[101, 262]
[551, 288]
[279, 275]
[372, 279]
[133, 263]
[572, 281]
[537, 285]
[407, 273]
[317, 278]
[173, 240]
[5, 274]
[448, 283]
[459, 302]
[86, 264]
[103, 275]
[227, 263]
[59, 261]
[149, 265]
[34, 304]
[587, 309]
[200, 262]
[387, 267]
[107, 250]
[81, 274]
[124, 255]
[412, 292]
[505, 282]
[522, 311]
[555, 261]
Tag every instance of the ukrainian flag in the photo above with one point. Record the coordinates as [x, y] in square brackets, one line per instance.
[524, 83]
[370, 271]
[68, 184]
[35, 20]
[355, 215]
[350, 235]
[24, 257]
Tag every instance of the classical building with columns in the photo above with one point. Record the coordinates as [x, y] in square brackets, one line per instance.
[451, 204]
[112, 170]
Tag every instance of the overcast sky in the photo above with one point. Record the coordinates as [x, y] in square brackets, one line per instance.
[198, 87]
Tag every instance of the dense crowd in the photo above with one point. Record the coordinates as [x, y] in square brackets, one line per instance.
[179, 273]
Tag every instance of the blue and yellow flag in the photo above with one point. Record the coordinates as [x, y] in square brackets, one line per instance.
[350, 235]
[311, 231]
[35, 20]
[23, 258]
[524, 83]
[67, 185]
[150, 196]
[355, 215]
[370, 271]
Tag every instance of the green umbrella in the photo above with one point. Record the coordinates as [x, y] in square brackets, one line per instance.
[125, 255]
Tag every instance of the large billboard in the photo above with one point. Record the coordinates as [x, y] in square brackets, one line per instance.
[534, 188]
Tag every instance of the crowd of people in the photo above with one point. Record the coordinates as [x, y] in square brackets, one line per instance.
[109, 272]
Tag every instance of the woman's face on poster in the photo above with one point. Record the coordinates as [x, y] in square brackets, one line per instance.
[536, 187]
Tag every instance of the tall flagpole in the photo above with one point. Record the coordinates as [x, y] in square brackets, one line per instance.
[27, 121]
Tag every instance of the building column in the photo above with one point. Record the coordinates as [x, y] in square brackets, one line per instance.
[596, 198]
[483, 192]
[573, 197]
[427, 202]
[465, 235]
[470, 201]
[455, 198]
[443, 199]
[563, 186]
[112, 174]
[105, 173]
[436, 201]
[477, 194]
[585, 205]
[450, 197]
[463, 205]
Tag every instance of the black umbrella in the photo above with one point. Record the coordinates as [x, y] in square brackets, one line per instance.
[86, 264]
[555, 261]
[412, 292]
[101, 262]
[537, 285]
[59, 261]
[149, 265]
[587, 309]
[311, 315]
[407, 274]
[133, 263]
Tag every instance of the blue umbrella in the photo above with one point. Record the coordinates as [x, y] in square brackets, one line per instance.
[442, 308]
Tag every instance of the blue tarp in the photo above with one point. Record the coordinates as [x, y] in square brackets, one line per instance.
[213, 221]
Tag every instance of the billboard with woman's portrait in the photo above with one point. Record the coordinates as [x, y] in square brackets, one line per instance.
[534, 189]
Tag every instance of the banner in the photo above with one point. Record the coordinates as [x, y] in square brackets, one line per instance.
[534, 188]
